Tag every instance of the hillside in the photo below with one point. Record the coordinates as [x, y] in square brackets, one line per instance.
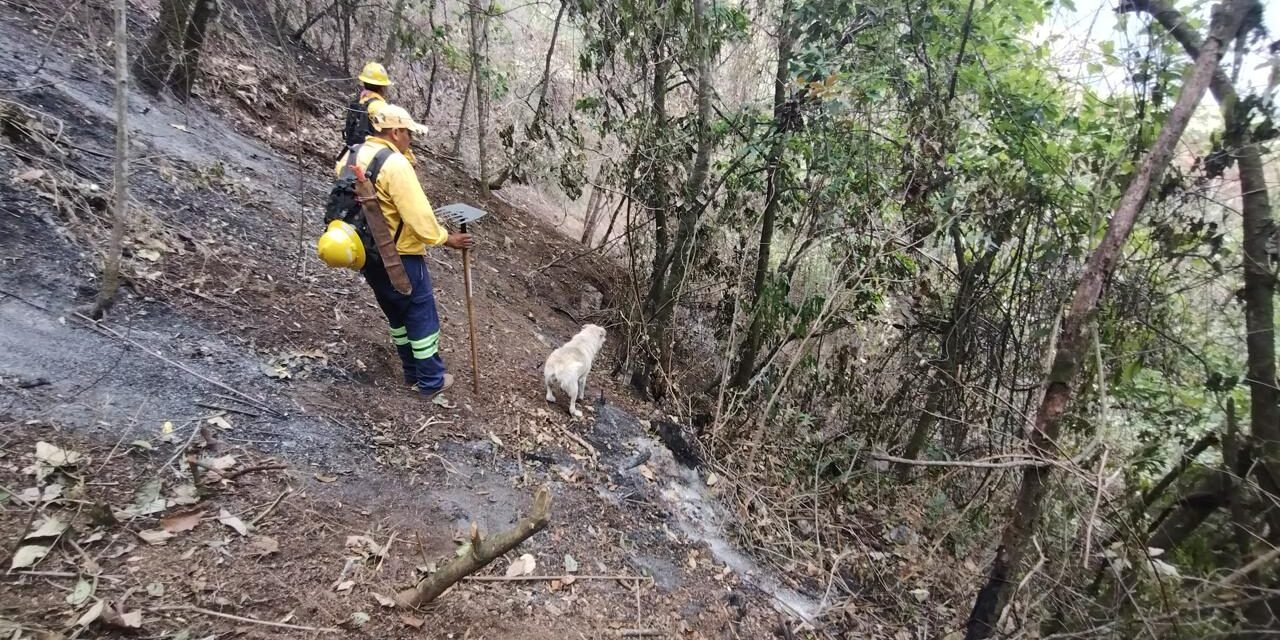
[232, 336]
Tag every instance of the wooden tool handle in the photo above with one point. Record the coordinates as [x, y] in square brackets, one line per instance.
[471, 317]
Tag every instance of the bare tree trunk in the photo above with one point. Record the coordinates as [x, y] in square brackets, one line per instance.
[1072, 344]
[435, 58]
[654, 198]
[389, 51]
[539, 112]
[685, 247]
[184, 74]
[345, 16]
[462, 115]
[612, 220]
[781, 77]
[479, 45]
[592, 214]
[111, 262]
[306, 26]
[163, 51]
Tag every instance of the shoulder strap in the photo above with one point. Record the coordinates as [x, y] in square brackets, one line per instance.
[376, 164]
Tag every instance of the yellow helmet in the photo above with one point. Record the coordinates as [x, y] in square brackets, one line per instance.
[340, 247]
[374, 73]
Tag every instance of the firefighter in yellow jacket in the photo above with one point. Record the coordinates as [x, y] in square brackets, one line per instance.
[415, 323]
[374, 84]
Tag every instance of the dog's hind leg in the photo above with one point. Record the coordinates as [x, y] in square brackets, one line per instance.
[573, 401]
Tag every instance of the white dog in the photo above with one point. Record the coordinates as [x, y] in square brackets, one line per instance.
[571, 363]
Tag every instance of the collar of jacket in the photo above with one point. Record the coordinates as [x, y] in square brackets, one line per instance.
[367, 96]
[380, 142]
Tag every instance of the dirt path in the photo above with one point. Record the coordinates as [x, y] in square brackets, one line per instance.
[216, 288]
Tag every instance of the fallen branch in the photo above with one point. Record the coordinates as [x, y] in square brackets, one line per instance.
[1257, 563]
[265, 623]
[975, 464]
[561, 578]
[481, 554]
[638, 633]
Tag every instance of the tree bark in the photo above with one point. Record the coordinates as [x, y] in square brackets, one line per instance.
[592, 216]
[482, 552]
[306, 26]
[539, 111]
[781, 77]
[435, 59]
[462, 115]
[111, 262]
[155, 64]
[192, 44]
[682, 252]
[655, 202]
[1191, 509]
[1072, 344]
[612, 220]
[479, 43]
[389, 51]
[345, 17]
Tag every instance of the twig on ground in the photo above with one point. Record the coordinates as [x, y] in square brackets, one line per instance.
[210, 405]
[267, 623]
[638, 633]
[47, 574]
[14, 494]
[386, 549]
[578, 439]
[98, 326]
[255, 404]
[31, 517]
[274, 504]
[639, 607]
[248, 470]
[195, 428]
[110, 455]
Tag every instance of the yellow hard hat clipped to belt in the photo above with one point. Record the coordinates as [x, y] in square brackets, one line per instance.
[340, 247]
[374, 73]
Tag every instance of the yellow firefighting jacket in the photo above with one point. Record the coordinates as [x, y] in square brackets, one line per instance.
[401, 198]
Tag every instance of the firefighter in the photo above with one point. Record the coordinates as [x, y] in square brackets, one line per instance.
[414, 320]
[374, 83]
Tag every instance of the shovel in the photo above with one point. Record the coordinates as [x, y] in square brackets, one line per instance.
[462, 214]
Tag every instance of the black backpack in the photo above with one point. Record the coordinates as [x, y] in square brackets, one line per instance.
[358, 124]
[344, 206]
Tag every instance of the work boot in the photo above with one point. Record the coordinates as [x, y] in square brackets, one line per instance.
[448, 382]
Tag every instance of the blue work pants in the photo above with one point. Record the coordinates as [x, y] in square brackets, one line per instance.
[415, 323]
